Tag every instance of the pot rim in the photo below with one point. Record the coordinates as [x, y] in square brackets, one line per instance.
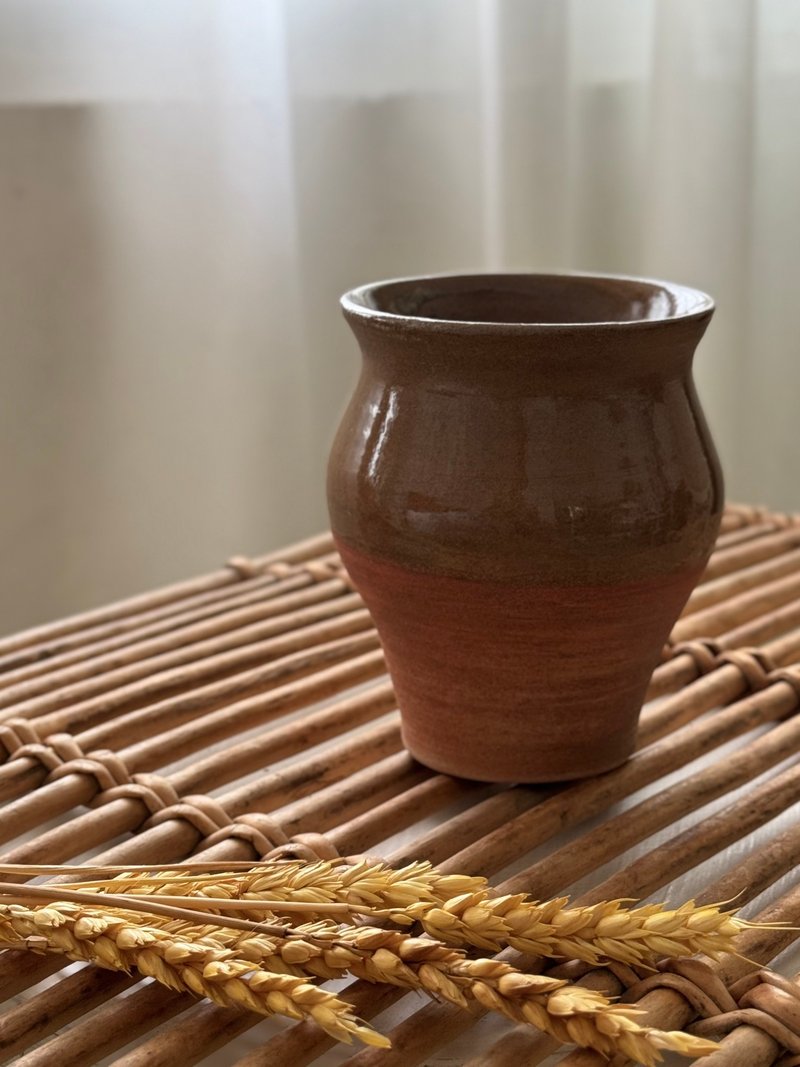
[687, 303]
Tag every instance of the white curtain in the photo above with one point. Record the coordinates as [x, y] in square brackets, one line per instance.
[187, 186]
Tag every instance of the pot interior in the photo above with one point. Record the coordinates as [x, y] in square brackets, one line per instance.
[531, 298]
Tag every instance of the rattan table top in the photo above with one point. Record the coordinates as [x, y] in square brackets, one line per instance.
[248, 711]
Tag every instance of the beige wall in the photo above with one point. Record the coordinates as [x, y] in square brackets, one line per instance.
[154, 402]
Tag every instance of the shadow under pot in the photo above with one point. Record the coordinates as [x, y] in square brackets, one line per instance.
[524, 491]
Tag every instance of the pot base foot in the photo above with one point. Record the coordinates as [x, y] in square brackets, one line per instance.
[500, 773]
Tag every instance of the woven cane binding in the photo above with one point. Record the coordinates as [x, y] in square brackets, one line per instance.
[247, 713]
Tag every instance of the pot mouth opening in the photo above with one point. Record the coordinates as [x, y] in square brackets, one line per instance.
[525, 302]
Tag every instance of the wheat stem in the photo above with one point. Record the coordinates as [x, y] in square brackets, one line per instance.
[360, 885]
[460, 910]
[31, 870]
[451, 908]
[12, 893]
[185, 959]
[567, 1012]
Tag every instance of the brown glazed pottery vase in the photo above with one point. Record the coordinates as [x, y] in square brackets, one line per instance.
[524, 491]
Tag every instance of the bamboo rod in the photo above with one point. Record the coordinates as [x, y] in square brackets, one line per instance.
[735, 515]
[751, 875]
[763, 628]
[716, 689]
[731, 520]
[84, 644]
[725, 616]
[20, 970]
[417, 1033]
[666, 1007]
[135, 605]
[35, 699]
[365, 821]
[594, 848]
[274, 744]
[404, 1051]
[381, 821]
[714, 592]
[56, 1006]
[289, 739]
[709, 837]
[434, 1026]
[745, 1047]
[187, 714]
[736, 557]
[350, 775]
[220, 625]
[460, 831]
[176, 837]
[335, 801]
[175, 691]
[681, 669]
[224, 723]
[110, 1029]
[281, 657]
[415, 1039]
[746, 532]
[206, 1028]
[588, 798]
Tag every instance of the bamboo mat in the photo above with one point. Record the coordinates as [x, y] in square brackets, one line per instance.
[248, 711]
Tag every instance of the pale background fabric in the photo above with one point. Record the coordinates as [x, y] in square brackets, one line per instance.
[187, 186]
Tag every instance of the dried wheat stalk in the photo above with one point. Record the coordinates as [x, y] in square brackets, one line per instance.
[456, 909]
[607, 931]
[269, 973]
[365, 884]
[182, 959]
[567, 1012]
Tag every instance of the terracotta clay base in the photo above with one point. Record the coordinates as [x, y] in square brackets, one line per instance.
[518, 683]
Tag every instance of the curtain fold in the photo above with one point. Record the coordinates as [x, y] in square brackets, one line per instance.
[186, 188]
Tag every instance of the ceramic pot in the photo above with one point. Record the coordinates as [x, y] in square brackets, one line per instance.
[524, 491]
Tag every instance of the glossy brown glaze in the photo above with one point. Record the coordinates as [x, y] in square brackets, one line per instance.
[524, 506]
